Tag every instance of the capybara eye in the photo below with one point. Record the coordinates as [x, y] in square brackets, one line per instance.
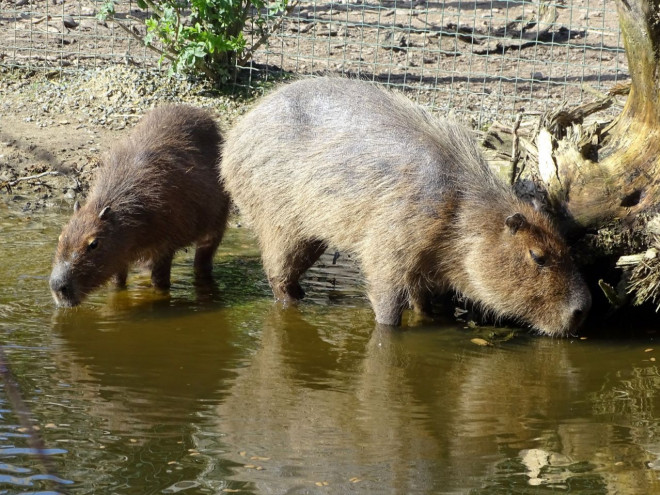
[93, 244]
[539, 259]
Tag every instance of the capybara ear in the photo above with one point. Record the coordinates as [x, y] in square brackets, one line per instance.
[76, 206]
[105, 213]
[515, 222]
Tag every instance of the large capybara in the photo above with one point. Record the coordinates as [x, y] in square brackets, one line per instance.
[156, 192]
[341, 163]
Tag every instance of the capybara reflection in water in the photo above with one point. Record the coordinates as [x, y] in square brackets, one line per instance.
[156, 192]
[341, 163]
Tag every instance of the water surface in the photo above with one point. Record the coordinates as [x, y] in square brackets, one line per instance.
[221, 391]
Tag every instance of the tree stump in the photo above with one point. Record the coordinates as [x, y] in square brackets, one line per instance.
[601, 178]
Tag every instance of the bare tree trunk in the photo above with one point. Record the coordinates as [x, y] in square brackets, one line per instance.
[624, 179]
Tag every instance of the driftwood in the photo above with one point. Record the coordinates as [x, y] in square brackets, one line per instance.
[599, 172]
[518, 34]
[8, 184]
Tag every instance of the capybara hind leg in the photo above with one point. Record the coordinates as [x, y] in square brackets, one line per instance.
[204, 259]
[420, 302]
[388, 302]
[119, 278]
[160, 271]
[284, 272]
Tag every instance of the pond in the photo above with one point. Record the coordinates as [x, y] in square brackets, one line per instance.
[221, 391]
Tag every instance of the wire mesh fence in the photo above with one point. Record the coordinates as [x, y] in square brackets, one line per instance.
[487, 59]
[65, 35]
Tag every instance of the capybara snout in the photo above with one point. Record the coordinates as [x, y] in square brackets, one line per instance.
[156, 191]
[64, 291]
[342, 163]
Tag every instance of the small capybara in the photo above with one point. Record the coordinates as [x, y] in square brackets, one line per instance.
[155, 192]
[331, 162]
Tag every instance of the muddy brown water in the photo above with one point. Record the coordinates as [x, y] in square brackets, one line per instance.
[209, 392]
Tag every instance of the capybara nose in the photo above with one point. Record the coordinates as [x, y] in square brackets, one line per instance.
[579, 306]
[577, 318]
[60, 286]
[579, 314]
[58, 280]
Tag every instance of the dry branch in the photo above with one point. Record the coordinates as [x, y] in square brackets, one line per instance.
[128, 30]
[521, 33]
[264, 37]
[8, 184]
[515, 155]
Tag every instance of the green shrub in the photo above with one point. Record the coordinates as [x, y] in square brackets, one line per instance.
[203, 35]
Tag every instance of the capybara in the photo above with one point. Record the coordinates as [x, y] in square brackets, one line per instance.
[155, 192]
[331, 162]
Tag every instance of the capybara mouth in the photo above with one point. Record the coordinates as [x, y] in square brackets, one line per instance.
[572, 324]
[65, 299]
[65, 302]
[554, 331]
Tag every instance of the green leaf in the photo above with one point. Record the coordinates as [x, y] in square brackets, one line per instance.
[205, 35]
[107, 10]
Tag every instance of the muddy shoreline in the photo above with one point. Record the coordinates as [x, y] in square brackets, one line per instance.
[54, 130]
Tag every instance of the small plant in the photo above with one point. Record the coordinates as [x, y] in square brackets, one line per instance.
[203, 35]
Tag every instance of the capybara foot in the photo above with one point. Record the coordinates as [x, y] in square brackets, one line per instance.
[390, 319]
[422, 307]
[287, 292]
[416, 318]
[160, 272]
[119, 278]
[161, 285]
[388, 313]
[203, 263]
[203, 278]
[388, 302]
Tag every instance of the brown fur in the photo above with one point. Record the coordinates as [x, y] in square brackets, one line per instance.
[335, 162]
[156, 192]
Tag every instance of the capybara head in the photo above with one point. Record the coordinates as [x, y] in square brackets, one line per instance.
[520, 267]
[86, 255]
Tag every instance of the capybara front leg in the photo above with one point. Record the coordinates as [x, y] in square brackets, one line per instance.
[204, 259]
[284, 274]
[160, 271]
[388, 302]
[120, 277]
[286, 291]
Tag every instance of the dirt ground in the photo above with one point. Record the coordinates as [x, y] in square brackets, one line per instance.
[487, 61]
[53, 132]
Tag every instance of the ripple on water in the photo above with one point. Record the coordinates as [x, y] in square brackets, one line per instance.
[14, 475]
[21, 465]
[220, 391]
[29, 480]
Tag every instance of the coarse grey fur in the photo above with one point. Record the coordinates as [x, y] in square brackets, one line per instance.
[337, 162]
